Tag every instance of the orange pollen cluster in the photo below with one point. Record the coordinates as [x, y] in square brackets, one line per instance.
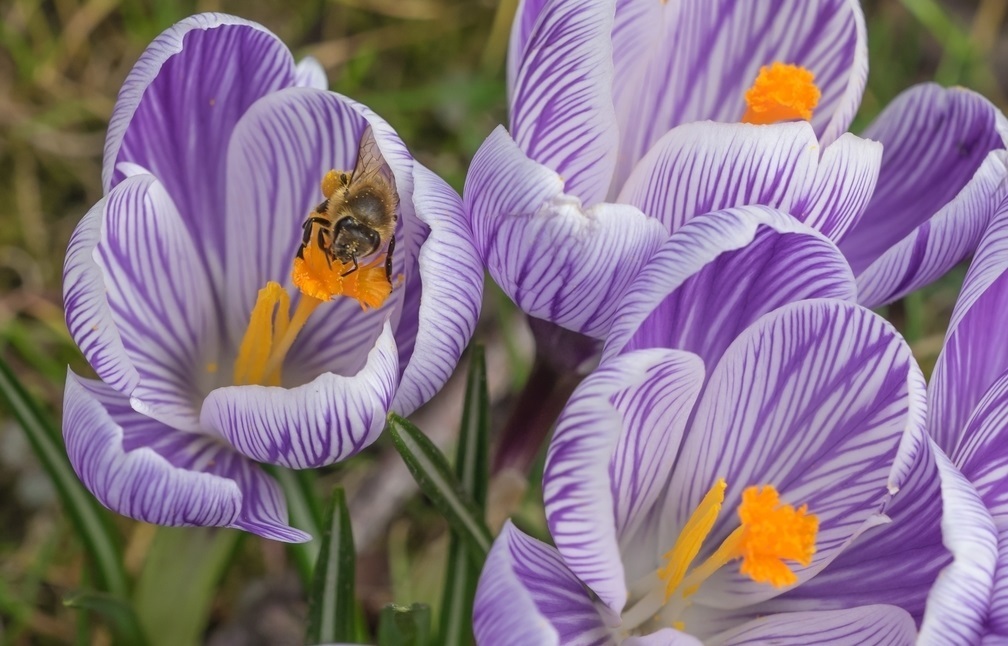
[781, 92]
[320, 277]
[773, 532]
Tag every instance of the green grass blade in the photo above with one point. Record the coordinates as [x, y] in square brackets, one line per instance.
[401, 626]
[89, 518]
[305, 511]
[179, 581]
[431, 471]
[117, 613]
[471, 469]
[332, 611]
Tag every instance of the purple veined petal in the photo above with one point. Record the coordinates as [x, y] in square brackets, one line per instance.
[526, 15]
[959, 601]
[561, 106]
[526, 595]
[940, 243]
[177, 109]
[874, 625]
[664, 637]
[88, 317]
[894, 563]
[844, 184]
[321, 422]
[452, 291]
[721, 272]
[143, 469]
[280, 151]
[934, 140]
[705, 166]
[815, 399]
[137, 296]
[701, 57]
[974, 355]
[557, 261]
[608, 461]
[310, 73]
[982, 457]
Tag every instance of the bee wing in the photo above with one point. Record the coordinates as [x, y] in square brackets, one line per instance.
[371, 163]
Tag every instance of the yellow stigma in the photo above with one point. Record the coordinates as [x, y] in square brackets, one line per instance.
[320, 277]
[781, 92]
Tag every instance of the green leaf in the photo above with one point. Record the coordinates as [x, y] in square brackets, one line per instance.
[117, 613]
[305, 512]
[89, 518]
[431, 471]
[179, 580]
[331, 607]
[402, 626]
[472, 469]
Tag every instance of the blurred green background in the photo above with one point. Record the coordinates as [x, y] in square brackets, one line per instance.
[434, 70]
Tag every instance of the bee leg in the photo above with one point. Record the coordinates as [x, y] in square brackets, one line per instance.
[388, 259]
[353, 258]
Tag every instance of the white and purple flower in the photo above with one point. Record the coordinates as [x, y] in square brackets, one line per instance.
[178, 286]
[611, 147]
[740, 370]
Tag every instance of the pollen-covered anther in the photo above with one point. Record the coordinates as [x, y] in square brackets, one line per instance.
[781, 92]
[773, 532]
[321, 277]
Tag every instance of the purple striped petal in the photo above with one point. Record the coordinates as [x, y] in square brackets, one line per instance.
[526, 595]
[136, 293]
[820, 395]
[557, 261]
[664, 637]
[867, 625]
[310, 73]
[88, 316]
[177, 109]
[694, 60]
[525, 18]
[982, 457]
[317, 424]
[279, 153]
[452, 277]
[940, 243]
[561, 107]
[609, 459]
[974, 355]
[720, 273]
[895, 563]
[701, 167]
[960, 599]
[143, 469]
[934, 141]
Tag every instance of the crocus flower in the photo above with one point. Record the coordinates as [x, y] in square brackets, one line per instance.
[225, 329]
[610, 148]
[747, 469]
[968, 414]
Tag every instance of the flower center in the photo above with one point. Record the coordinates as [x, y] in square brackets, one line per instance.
[769, 533]
[319, 276]
[781, 92]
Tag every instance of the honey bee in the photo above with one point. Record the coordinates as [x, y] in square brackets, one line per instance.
[359, 213]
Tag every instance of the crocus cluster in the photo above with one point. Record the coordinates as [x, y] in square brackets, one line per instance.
[756, 458]
[221, 335]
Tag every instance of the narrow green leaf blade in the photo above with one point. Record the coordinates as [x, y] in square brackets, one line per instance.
[179, 581]
[331, 611]
[117, 613]
[402, 626]
[306, 513]
[472, 469]
[431, 471]
[89, 518]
